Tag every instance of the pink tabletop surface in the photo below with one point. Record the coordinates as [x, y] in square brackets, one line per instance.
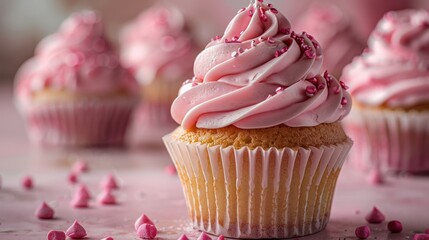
[147, 188]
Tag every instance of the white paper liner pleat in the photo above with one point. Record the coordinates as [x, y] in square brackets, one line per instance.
[82, 123]
[244, 193]
[389, 141]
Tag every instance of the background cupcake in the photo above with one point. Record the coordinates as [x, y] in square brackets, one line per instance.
[334, 32]
[73, 91]
[390, 85]
[260, 145]
[158, 49]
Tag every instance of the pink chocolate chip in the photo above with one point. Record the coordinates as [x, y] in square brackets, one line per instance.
[421, 236]
[76, 231]
[375, 216]
[183, 237]
[394, 226]
[27, 182]
[204, 236]
[147, 231]
[362, 232]
[106, 197]
[141, 220]
[109, 182]
[56, 235]
[45, 212]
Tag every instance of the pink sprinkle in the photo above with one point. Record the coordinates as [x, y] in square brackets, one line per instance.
[250, 12]
[310, 91]
[216, 38]
[45, 212]
[270, 5]
[271, 40]
[376, 178]
[394, 226]
[279, 90]
[337, 90]
[253, 44]
[343, 101]
[80, 167]
[106, 197]
[362, 232]
[143, 219]
[204, 236]
[284, 31]
[277, 54]
[221, 237]
[310, 54]
[284, 49]
[147, 231]
[56, 235]
[109, 182]
[314, 80]
[107, 238]
[273, 10]
[76, 231]
[72, 178]
[321, 86]
[375, 216]
[183, 237]
[171, 169]
[421, 236]
[235, 38]
[343, 85]
[27, 182]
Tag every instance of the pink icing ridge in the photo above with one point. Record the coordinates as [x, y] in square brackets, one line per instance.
[158, 42]
[394, 69]
[333, 30]
[77, 58]
[260, 74]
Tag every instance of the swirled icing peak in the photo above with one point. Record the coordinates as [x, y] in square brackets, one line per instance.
[77, 58]
[157, 43]
[260, 74]
[394, 70]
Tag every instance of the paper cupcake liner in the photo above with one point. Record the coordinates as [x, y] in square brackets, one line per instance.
[389, 141]
[244, 193]
[151, 121]
[83, 123]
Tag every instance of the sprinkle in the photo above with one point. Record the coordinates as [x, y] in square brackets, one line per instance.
[261, 39]
[337, 90]
[314, 80]
[271, 40]
[277, 54]
[106, 197]
[362, 232]
[27, 182]
[215, 38]
[310, 91]
[76, 231]
[421, 236]
[147, 231]
[56, 235]
[80, 167]
[279, 90]
[343, 85]
[250, 12]
[45, 212]
[235, 38]
[240, 50]
[310, 54]
[270, 5]
[273, 10]
[375, 216]
[204, 236]
[109, 182]
[241, 10]
[171, 170]
[344, 101]
[141, 220]
[253, 44]
[321, 86]
[72, 178]
[284, 49]
[284, 31]
[234, 54]
[183, 237]
[394, 226]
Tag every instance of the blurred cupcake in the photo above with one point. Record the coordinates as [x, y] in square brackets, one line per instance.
[74, 92]
[335, 33]
[260, 144]
[390, 85]
[158, 49]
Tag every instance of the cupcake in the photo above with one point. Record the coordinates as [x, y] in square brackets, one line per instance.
[158, 49]
[390, 85]
[334, 32]
[74, 92]
[260, 144]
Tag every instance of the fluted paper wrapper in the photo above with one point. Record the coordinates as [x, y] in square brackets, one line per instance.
[389, 141]
[244, 193]
[82, 123]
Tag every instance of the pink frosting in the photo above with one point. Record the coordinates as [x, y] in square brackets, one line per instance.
[260, 74]
[333, 30]
[158, 43]
[394, 71]
[77, 58]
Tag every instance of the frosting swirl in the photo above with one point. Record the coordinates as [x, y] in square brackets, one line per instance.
[157, 43]
[260, 74]
[394, 70]
[77, 58]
